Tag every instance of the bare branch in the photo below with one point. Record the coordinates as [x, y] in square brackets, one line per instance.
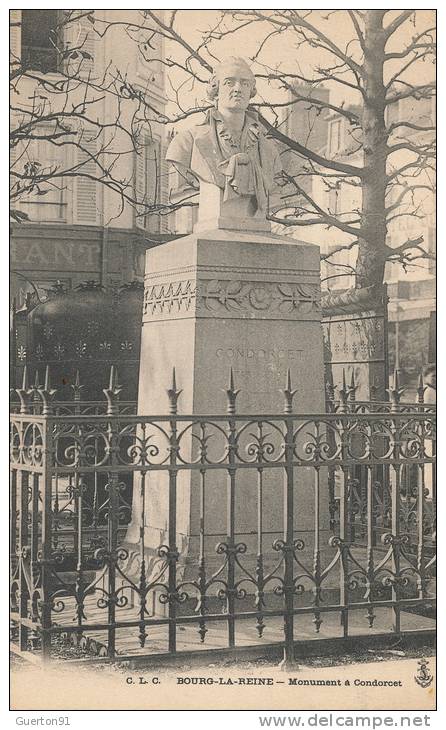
[310, 154]
[357, 28]
[397, 22]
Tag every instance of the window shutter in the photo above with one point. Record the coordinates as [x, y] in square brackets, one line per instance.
[152, 167]
[147, 173]
[15, 19]
[140, 175]
[86, 189]
[140, 183]
[87, 44]
[79, 36]
[13, 166]
[163, 187]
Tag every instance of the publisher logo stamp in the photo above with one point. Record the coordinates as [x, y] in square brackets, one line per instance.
[423, 677]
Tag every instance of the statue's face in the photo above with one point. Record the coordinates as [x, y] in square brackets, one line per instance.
[234, 87]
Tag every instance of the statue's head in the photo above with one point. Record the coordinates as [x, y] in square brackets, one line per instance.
[232, 84]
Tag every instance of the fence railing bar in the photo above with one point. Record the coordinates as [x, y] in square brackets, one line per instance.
[23, 550]
[288, 535]
[405, 603]
[382, 485]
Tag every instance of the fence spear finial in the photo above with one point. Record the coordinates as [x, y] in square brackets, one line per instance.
[25, 393]
[46, 393]
[36, 385]
[421, 389]
[395, 391]
[231, 379]
[47, 378]
[112, 392]
[76, 387]
[231, 393]
[353, 387]
[173, 394]
[289, 393]
[396, 379]
[111, 382]
[343, 392]
[25, 385]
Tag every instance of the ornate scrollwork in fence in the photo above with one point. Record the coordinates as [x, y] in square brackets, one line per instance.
[356, 487]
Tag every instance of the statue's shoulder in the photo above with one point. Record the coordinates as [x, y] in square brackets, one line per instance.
[200, 130]
[185, 135]
[183, 146]
[188, 136]
[180, 147]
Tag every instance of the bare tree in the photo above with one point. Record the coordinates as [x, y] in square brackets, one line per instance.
[375, 61]
[386, 182]
[85, 121]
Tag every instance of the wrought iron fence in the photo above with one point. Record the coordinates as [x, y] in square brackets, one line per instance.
[29, 398]
[354, 488]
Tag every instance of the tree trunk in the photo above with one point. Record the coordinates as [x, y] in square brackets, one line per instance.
[372, 242]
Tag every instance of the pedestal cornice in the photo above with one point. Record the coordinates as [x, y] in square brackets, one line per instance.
[274, 278]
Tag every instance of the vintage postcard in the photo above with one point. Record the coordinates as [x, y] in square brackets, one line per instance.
[223, 360]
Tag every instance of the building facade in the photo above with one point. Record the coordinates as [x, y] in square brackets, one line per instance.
[412, 288]
[79, 228]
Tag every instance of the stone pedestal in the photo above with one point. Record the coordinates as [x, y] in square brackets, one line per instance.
[237, 214]
[216, 300]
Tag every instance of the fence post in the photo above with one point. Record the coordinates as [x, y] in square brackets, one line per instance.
[13, 519]
[172, 554]
[394, 538]
[288, 662]
[24, 393]
[23, 554]
[112, 395]
[46, 536]
[345, 505]
[232, 394]
[370, 568]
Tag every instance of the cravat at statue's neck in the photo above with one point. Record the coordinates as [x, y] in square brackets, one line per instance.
[233, 121]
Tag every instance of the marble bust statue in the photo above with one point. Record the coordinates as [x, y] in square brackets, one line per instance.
[229, 153]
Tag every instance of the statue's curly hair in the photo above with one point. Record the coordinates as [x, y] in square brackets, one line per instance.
[212, 87]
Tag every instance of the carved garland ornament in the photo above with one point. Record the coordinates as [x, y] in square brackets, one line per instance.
[239, 296]
[232, 296]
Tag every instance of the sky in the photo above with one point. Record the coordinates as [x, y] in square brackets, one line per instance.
[282, 51]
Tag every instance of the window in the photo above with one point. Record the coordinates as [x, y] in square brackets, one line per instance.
[39, 40]
[333, 201]
[37, 159]
[431, 247]
[150, 67]
[147, 182]
[335, 136]
[393, 113]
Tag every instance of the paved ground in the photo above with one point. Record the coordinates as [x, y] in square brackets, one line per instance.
[188, 638]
